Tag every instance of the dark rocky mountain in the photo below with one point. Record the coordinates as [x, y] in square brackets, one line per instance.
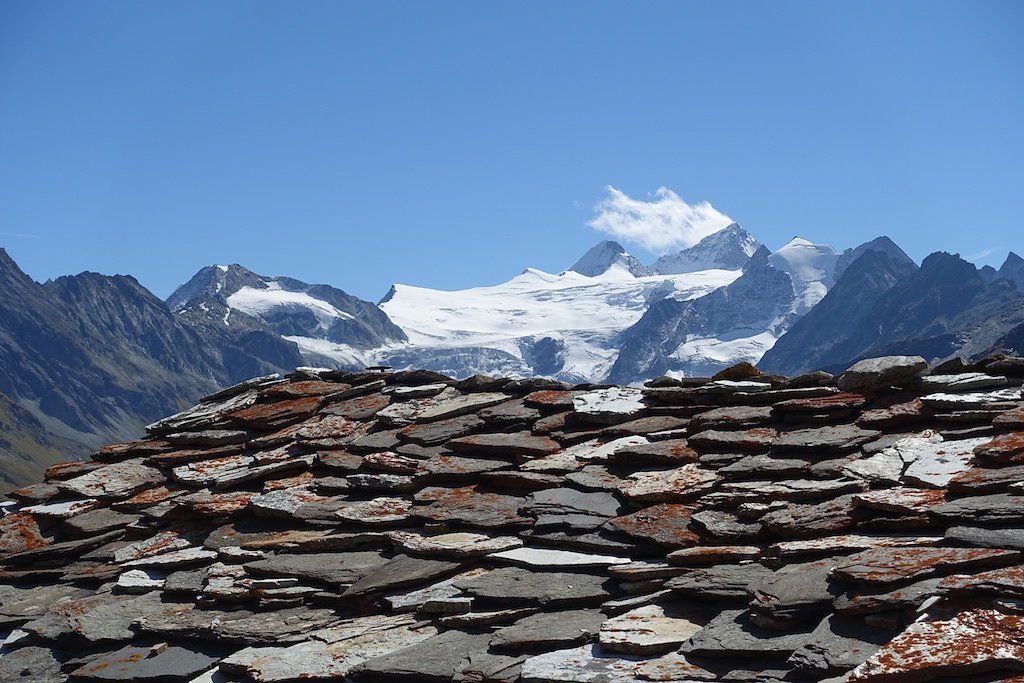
[92, 358]
[942, 309]
[727, 249]
[761, 299]
[603, 256]
[89, 359]
[266, 314]
[1013, 270]
[812, 340]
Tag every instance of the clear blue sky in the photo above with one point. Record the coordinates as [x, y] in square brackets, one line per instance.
[451, 144]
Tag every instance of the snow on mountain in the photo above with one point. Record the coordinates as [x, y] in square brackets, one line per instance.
[601, 257]
[812, 267]
[536, 323]
[328, 326]
[729, 249]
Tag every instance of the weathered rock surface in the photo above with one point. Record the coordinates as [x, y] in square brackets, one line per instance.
[405, 526]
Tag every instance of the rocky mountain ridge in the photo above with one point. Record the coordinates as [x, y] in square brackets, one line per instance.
[91, 358]
[407, 526]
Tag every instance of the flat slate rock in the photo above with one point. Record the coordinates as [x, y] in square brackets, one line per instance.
[1003, 449]
[31, 664]
[240, 626]
[999, 508]
[680, 484]
[731, 635]
[667, 524]
[668, 452]
[400, 572]
[731, 418]
[516, 586]
[755, 440]
[133, 663]
[95, 619]
[1011, 539]
[721, 582]
[435, 433]
[881, 373]
[519, 445]
[576, 665]
[972, 641]
[329, 654]
[647, 631]
[471, 507]
[459, 544]
[339, 568]
[839, 644]
[548, 630]
[830, 439]
[609, 406]
[550, 558]
[795, 592]
[888, 565]
[118, 480]
[435, 658]
[935, 461]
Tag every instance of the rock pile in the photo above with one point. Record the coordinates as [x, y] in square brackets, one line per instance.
[407, 526]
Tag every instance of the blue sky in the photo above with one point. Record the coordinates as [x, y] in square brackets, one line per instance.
[452, 144]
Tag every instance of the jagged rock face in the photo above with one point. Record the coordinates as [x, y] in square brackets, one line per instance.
[605, 255]
[409, 527]
[761, 300]
[1013, 270]
[90, 358]
[233, 304]
[729, 248]
[879, 244]
[813, 342]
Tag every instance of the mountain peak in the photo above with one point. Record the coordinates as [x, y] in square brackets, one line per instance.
[881, 244]
[603, 256]
[727, 249]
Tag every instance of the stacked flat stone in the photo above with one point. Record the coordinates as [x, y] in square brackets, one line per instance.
[406, 526]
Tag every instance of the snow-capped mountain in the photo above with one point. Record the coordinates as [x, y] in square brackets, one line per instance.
[727, 249]
[811, 267]
[739, 322]
[560, 325]
[328, 326]
[606, 255]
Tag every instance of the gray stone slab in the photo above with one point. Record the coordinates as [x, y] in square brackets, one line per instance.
[400, 572]
[31, 665]
[336, 569]
[548, 631]
[584, 664]
[329, 654]
[795, 592]
[1011, 539]
[516, 586]
[881, 373]
[96, 619]
[732, 635]
[118, 480]
[722, 582]
[1000, 508]
[19, 604]
[242, 626]
[435, 659]
[169, 663]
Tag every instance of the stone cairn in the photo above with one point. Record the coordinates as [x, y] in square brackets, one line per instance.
[405, 526]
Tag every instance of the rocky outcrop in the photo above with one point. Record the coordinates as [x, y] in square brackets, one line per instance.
[405, 526]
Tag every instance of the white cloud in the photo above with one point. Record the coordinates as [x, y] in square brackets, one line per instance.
[981, 255]
[660, 224]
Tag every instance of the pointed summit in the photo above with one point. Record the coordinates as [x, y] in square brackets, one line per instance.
[882, 244]
[812, 267]
[605, 255]
[727, 249]
[1013, 270]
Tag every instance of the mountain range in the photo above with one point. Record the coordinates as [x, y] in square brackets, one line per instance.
[89, 359]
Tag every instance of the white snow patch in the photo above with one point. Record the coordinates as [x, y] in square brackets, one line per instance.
[812, 267]
[260, 302]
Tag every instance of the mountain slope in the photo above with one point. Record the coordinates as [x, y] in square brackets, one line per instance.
[942, 309]
[701, 336]
[261, 321]
[1013, 270]
[561, 325]
[727, 249]
[812, 342]
[605, 255]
